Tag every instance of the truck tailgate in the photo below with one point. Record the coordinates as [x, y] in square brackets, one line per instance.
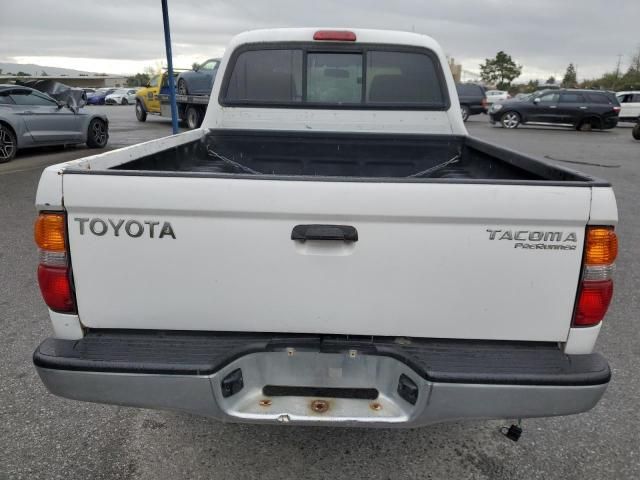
[448, 260]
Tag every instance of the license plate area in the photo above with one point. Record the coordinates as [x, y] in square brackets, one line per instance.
[317, 387]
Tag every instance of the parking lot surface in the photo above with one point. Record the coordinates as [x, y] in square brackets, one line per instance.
[42, 436]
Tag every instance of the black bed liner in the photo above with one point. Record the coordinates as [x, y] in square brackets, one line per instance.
[351, 157]
[437, 360]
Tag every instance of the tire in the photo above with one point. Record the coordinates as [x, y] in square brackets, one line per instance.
[182, 87]
[97, 134]
[510, 120]
[124, 101]
[636, 132]
[465, 112]
[141, 113]
[193, 118]
[8, 144]
[588, 124]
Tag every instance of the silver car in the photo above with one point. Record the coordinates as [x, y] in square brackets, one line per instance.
[30, 118]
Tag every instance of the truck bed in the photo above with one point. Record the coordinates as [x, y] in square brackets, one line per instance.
[336, 156]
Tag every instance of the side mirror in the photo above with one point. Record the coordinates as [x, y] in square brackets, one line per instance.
[60, 104]
[536, 100]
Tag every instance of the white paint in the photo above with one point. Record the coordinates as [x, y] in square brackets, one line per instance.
[582, 340]
[424, 265]
[65, 326]
[604, 209]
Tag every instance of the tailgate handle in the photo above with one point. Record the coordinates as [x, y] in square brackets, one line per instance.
[346, 233]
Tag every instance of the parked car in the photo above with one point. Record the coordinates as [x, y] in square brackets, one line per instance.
[200, 80]
[122, 96]
[494, 96]
[522, 96]
[472, 99]
[30, 118]
[89, 92]
[99, 96]
[636, 130]
[580, 109]
[356, 263]
[147, 98]
[629, 105]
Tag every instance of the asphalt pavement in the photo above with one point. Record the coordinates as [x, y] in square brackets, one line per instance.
[43, 436]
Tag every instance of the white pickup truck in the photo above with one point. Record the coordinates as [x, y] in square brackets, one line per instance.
[331, 247]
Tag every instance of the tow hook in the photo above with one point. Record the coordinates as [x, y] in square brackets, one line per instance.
[514, 432]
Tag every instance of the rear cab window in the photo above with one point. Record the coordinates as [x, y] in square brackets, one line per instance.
[311, 76]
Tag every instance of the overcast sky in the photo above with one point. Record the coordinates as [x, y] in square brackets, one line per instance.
[117, 36]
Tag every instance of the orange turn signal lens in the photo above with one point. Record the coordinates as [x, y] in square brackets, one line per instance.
[601, 246]
[49, 232]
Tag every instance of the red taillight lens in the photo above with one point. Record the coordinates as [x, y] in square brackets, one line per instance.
[616, 109]
[335, 35]
[593, 303]
[484, 102]
[56, 288]
[54, 274]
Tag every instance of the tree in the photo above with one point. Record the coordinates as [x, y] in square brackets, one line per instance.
[23, 74]
[195, 65]
[138, 80]
[501, 70]
[570, 79]
[44, 74]
[551, 80]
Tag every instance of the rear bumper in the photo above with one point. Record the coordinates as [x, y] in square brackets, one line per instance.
[199, 374]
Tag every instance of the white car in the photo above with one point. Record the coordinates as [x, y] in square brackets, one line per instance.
[331, 247]
[495, 96]
[630, 106]
[122, 96]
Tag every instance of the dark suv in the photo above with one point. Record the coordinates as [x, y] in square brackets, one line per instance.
[580, 109]
[472, 99]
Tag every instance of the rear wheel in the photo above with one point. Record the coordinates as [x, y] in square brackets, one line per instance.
[98, 134]
[124, 101]
[636, 132]
[193, 117]
[8, 144]
[510, 120]
[182, 87]
[141, 113]
[465, 112]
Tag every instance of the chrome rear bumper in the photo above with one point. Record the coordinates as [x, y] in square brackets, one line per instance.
[324, 386]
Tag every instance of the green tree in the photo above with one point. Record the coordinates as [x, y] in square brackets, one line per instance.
[550, 81]
[501, 70]
[138, 80]
[570, 79]
[44, 74]
[23, 74]
[195, 65]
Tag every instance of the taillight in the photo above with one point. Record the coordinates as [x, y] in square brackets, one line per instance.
[616, 109]
[596, 287]
[335, 35]
[484, 102]
[54, 273]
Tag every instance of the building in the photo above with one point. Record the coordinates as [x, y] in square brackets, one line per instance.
[82, 80]
[456, 69]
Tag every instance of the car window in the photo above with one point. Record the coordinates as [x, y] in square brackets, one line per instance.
[5, 99]
[402, 78]
[210, 65]
[153, 82]
[598, 98]
[337, 78]
[27, 97]
[549, 98]
[636, 98]
[468, 90]
[267, 75]
[572, 98]
[624, 98]
[334, 77]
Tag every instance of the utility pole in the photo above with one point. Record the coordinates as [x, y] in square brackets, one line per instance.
[618, 66]
[172, 86]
